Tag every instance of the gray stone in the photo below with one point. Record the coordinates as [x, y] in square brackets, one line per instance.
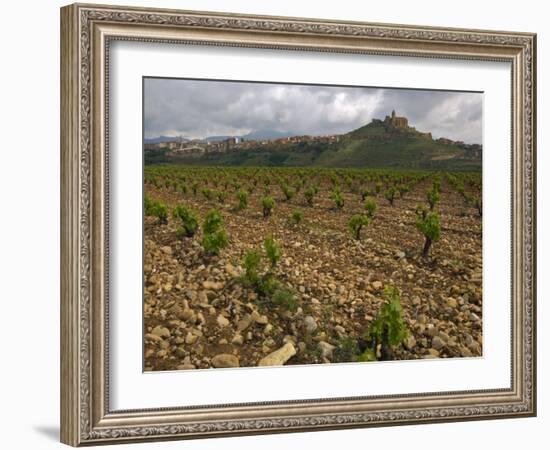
[222, 321]
[377, 285]
[437, 343]
[452, 303]
[280, 356]
[474, 317]
[152, 338]
[244, 323]
[225, 360]
[166, 250]
[310, 324]
[213, 285]
[237, 339]
[326, 349]
[259, 319]
[399, 254]
[161, 331]
[410, 342]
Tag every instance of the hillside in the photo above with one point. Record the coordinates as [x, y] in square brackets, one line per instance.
[378, 144]
[382, 145]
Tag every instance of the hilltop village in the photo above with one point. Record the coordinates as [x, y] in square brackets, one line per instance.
[198, 147]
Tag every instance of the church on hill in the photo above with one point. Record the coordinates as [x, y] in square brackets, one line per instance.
[398, 122]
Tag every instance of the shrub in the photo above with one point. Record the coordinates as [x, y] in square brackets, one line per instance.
[388, 329]
[346, 350]
[285, 298]
[147, 206]
[389, 194]
[207, 193]
[156, 209]
[222, 196]
[477, 202]
[370, 207]
[365, 192]
[433, 197]
[267, 205]
[337, 197]
[428, 224]
[267, 286]
[215, 238]
[357, 223]
[437, 183]
[309, 194]
[189, 221]
[403, 189]
[194, 187]
[251, 268]
[242, 197]
[288, 192]
[273, 251]
[297, 216]
[378, 187]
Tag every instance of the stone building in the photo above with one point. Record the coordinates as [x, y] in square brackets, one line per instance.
[398, 122]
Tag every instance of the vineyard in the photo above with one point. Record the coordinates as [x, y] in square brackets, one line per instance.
[250, 266]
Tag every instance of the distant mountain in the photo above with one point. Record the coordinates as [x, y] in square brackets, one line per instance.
[216, 138]
[259, 135]
[161, 139]
[388, 143]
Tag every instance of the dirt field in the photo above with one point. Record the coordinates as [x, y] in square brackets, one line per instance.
[198, 312]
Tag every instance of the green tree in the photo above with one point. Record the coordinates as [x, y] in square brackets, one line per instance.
[156, 209]
[428, 224]
[403, 189]
[215, 237]
[242, 197]
[309, 194]
[390, 194]
[251, 265]
[207, 193]
[433, 197]
[356, 224]
[337, 197]
[222, 196]
[272, 250]
[365, 192]
[288, 192]
[388, 329]
[297, 216]
[370, 207]
[268, 203]
[189, 220]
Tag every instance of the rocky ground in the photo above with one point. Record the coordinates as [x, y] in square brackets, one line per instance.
[198, 314]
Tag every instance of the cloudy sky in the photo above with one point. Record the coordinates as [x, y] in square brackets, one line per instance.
[197, 109]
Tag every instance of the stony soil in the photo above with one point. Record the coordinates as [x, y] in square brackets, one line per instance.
[198, 314]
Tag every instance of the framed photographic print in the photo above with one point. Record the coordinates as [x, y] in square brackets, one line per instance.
[279, 224]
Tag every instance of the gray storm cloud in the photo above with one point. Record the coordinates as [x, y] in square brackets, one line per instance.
[200, 108]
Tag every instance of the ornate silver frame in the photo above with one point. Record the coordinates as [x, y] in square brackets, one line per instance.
[86, 31]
